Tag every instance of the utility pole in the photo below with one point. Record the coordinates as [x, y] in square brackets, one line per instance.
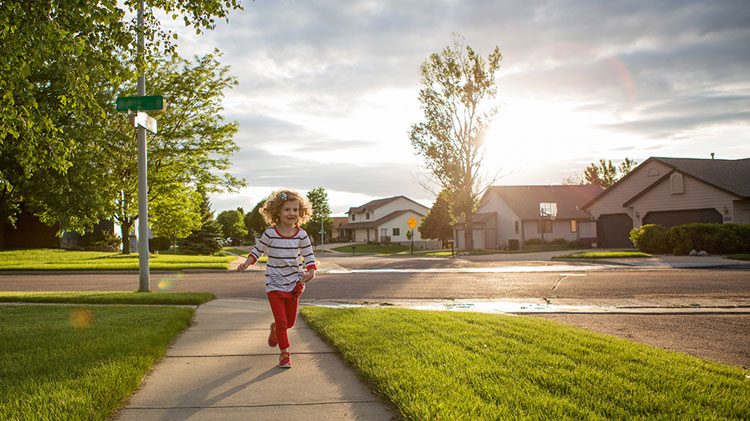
[144, 281]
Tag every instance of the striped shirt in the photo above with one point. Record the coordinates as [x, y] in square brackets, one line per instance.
[286, 256]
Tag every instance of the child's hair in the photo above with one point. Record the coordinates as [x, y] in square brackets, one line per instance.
[271, 210]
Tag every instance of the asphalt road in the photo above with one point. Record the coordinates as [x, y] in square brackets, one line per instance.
[715, 326]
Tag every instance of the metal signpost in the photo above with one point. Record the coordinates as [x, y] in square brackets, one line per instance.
[136, 107]
[413, 224]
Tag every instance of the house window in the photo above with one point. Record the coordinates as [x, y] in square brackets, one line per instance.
[517, 227]
[396, 232]
[548, 209]
[544, 224]
[354, 217]
[383, 232]
[676, 183]
[367, 215]
[573, 225]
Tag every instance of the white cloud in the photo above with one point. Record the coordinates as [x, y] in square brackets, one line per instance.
[328, 89]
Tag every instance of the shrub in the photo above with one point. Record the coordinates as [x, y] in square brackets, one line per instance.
[713, 238]
[651, 238]
[102, 241]
[158, 244]
[559, 242]
[533, 242]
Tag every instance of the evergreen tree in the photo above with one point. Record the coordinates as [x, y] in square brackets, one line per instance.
[205, 240]
[438, 223]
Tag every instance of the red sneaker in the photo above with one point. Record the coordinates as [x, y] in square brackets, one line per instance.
[272, 341]
[285, 360]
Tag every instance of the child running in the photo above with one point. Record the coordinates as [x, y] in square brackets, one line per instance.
[286, 245]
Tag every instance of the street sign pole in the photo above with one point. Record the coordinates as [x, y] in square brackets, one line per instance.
[144, 278]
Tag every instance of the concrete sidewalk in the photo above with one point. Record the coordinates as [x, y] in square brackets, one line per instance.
[222, 368]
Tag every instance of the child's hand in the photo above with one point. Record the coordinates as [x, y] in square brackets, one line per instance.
[242, 266]
[308, 276]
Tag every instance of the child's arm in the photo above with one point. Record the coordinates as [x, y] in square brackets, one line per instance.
[260, 247]
[307, 253]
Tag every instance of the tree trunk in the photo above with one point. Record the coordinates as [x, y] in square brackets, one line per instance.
[125, 233]
[469, 232]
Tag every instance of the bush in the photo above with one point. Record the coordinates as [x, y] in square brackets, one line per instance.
[559, 242]
[102, 241]
[533, 242]
[158, 244]
[651, 238]
[713, 238]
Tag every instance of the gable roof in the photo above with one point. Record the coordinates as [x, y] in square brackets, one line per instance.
[730, 175]
[525, 200]
[374, 204]
[375, 223]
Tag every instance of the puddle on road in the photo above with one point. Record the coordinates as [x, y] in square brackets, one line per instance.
[500, 307]
[503, 269]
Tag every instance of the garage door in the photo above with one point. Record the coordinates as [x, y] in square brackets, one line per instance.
[613, 231]
[682, 217]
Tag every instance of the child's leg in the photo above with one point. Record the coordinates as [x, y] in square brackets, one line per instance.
[290, 306]
[278, 308]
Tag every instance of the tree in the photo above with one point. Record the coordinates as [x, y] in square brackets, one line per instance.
[438, 223]
[232, 225]
[204, 240]
[254, 222]
[457, 83]
[605, 174]
[55, 53]
[176, 216]
[191, 149]
[319, 200]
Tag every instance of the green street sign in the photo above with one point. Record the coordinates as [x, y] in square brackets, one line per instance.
[140, 103]
[321, 232]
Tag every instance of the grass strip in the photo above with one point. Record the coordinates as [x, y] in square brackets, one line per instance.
[123, 297]
[456, 366]
[739, 256]
[59, 259]
[82, 363]
[604, 255]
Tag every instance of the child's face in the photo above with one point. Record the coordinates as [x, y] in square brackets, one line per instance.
[289, 212]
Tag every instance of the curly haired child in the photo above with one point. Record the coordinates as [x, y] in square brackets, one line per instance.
[289, 251]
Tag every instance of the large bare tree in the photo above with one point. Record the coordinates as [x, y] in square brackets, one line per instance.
[458, 86]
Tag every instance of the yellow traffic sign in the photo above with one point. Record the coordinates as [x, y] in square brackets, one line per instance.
[412, 223]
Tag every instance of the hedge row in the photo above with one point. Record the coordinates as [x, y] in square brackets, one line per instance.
[680, 240]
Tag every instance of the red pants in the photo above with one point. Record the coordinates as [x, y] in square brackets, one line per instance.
[284, 308]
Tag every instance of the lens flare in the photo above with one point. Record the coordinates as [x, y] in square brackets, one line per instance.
[165, 284]
[81, 318]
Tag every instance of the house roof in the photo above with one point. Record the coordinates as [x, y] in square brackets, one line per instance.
[377, 222]
[525, 200]
[374, 204]
[732, 176]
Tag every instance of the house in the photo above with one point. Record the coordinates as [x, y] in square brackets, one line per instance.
[509, 216]
[672, 191]
[385, 220]
[338, 233]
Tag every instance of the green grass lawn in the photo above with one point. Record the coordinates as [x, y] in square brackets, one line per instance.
[58, 259]
[456, 366]
[739, 256]
[79, 362]
[603, 255]
[174, 298]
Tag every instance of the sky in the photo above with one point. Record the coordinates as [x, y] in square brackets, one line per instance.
[328, 90]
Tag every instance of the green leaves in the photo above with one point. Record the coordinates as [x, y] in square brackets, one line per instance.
[457, 86]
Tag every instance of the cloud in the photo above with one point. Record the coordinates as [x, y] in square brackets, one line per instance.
[672, 70]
